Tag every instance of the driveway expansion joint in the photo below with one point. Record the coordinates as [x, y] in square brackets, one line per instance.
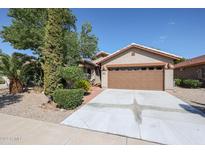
[154, 116]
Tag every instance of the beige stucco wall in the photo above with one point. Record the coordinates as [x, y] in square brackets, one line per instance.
[93, 74]
[104, 78]
[169, 79]
[97, 76]
[139, 57]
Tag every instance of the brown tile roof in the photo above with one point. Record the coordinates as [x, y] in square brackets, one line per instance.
[148, 49]
[100, 56]
[191, 62]
[87, 61]
[102, 53]
[98, 59]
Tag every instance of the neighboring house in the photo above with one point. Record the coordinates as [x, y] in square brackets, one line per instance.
[6, 84]
[133, 67]
[191, 69]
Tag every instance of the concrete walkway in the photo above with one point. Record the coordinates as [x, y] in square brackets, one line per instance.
[18, 130]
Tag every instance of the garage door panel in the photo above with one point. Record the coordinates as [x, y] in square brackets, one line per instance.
[143, 80]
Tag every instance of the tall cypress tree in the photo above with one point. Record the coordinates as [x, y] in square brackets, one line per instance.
[53, 49]
[49, 33]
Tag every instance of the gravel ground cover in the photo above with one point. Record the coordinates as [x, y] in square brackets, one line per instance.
[195, 97]
[34, 105]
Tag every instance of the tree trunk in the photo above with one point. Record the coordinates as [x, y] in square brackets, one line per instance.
[15, 86]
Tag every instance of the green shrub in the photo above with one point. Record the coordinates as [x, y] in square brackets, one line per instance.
[68, 98]
[72, 74]
[188, 83]
[2, 81]
[84, 84]
[178, 82]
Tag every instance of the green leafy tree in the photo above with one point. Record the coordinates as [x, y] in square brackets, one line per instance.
[20, 69]
[72, 49]
[71, 75]
[51, 34]
[78, 46]
[88, 41]
[27, 29]
[9, 67]
[32, 73]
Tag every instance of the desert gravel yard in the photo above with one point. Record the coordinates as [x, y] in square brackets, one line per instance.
[195, 97]
[191, 95]
[153, 116]
[30, 105]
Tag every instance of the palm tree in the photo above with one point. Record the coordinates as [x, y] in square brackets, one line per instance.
[11, 68]
[21, 70]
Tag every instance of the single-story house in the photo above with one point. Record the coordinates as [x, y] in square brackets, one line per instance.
[136, 67]
[191, 69]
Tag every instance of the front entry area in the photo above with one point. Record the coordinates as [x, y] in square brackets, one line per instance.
[140, 78]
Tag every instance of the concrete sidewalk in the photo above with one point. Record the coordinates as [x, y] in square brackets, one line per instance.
[18, 130]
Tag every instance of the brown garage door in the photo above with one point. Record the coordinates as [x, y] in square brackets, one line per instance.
[136, 79]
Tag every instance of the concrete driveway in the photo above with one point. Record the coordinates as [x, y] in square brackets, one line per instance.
[149, 115]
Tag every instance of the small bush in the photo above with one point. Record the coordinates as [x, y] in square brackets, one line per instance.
[72, 74]
[178, 82]
[2, 81]
[68, 98]
[188, 83]
[84, 84]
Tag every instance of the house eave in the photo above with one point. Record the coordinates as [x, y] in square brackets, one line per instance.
[136, 65]
[190, 65]
[148, 49]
